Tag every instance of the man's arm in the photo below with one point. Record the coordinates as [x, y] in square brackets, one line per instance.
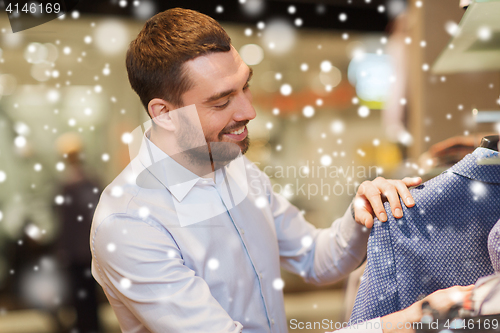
[320, 256]
[323, 256]
[440, 300]
[140, 266]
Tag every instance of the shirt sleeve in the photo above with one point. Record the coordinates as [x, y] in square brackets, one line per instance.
[371, 326]
[140, 267]
[320, 256]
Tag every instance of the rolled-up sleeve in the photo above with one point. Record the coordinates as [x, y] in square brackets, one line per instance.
[140, 266]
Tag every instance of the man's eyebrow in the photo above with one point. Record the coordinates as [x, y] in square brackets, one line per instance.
[227, 92]
[219, 95]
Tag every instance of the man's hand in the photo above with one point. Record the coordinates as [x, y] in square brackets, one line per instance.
[368, 200]
[440, 300]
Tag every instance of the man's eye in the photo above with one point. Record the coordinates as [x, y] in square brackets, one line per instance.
[222, 106]
[247, 85]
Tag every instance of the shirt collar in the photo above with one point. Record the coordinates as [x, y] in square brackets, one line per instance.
[473, 167]
[481, 152]
[176, 178]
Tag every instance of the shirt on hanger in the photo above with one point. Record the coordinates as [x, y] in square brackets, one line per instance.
[438, 243]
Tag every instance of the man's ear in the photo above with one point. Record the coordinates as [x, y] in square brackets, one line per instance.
[159, 110]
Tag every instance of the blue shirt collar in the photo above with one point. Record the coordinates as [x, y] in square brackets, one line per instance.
[478, 166]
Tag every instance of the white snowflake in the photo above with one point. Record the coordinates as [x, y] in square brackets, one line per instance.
[326, 160]
[478, 188]
[326, 66]
[306, 241]
[117, 191]
[144, 212]
[125, 283]
[261, 202]
[286, 89]
[59, 200]
[213, 264]
[127, 138]
[278, 284]
[20, 141]
[60, 166]
[111, 247]
[308, 111]
[363, 111]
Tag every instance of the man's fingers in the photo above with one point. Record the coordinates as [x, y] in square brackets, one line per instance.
[372, 193]
[364, 218]
[391, 193]
[389, 189]
[403, 192]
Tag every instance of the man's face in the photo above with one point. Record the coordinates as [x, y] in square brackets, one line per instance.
[223, 101]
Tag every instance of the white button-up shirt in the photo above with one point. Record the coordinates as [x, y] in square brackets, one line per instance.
[178, 253]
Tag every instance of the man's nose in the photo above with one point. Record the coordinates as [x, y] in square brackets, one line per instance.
[245, 109]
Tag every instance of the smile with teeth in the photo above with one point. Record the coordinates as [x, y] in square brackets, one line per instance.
[238, 132]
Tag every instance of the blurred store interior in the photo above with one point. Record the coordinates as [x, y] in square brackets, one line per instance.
[345, 90]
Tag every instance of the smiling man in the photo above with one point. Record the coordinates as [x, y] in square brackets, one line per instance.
[190, 236]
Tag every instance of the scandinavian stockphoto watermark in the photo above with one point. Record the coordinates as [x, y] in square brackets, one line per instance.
[183, 154]
[310, 180]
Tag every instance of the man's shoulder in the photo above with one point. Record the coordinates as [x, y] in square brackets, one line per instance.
[125, 197]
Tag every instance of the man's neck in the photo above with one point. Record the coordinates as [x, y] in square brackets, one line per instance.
[170, 147]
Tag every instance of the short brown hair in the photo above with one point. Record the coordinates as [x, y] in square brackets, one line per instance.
[155, 58]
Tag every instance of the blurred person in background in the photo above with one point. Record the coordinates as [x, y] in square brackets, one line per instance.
[77, 198]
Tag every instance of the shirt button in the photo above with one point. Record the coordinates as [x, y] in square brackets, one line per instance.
[242, 231]
[272, 321]
[260, 276]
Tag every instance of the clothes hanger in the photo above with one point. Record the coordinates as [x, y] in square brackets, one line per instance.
[490, 142]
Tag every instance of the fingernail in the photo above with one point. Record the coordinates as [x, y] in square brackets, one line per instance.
[398, 213]
[410, 201]
[383, 217]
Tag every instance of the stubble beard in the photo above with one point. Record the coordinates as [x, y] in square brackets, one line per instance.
[216, 152]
